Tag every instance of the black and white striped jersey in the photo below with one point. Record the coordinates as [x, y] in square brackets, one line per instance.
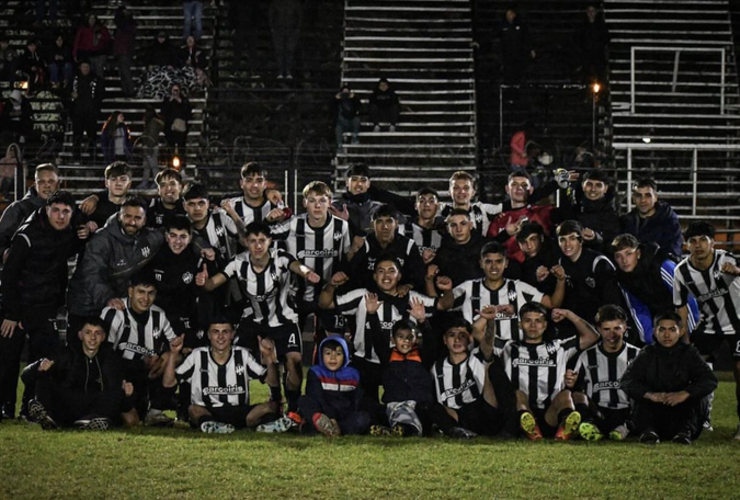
[249, 214]
[134, 339]
[391, 310]
[425, 238]
[717, 293]
[538, 370]
[220, 231]
[481, 214]
[602, 371]
[472, 295]
[320, 248]
[267, 291]
[460, 384]
[213, 385]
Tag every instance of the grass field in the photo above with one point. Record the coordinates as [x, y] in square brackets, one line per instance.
[181, 464]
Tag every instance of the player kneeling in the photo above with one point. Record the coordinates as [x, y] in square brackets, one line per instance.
[219, 378]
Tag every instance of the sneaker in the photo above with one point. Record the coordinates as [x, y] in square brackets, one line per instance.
[569, 428]
[325, 426]
[213, 427]
[37, 413]
[283, 424]
[157, 418]
[8, 411]
[682, 438]
[381, 430]
[376, 128]
[280, 76]
[355, 140]
[528, 424]
[462, 433]
[392, 128]
[708, 425]
[619, 433]
[93, 424]
[288, 76]
[399, 430]
[589, 432]
[649, 437]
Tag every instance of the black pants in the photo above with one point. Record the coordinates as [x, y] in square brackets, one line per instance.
[66, 405]
[385, 114]
[350, 421]
[84, 123]
[667, 421]
[148, 393]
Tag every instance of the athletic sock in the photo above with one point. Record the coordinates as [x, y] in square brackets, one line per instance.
[292, 397]
[204, 418]
[563, 414]
[275, 394]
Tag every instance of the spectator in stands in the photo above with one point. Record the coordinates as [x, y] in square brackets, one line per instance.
[653, 220]
[32, 66]
[16, 119]
[591, 41]
[384, 106]
[194, 58]
[115, 138]
[285, 23]
[61, 69]
[176, 111]
[41, 11]
[246, 19]
[88, 91]
[518, 158]
[149, 140]
[46, 183]
[8, 60]
[91, 44]
[8, 165]
[348, 107]
[124, 48]
[516, 48]
[162, 53]
[192, 11]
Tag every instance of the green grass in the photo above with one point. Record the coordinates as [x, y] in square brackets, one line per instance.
[182, 464]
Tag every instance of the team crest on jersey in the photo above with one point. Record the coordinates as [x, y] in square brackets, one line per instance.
[187, 278]
[717, 275]
[591, 282]
[146, 251]
[273, 275]
[121, 263]
[337, 236]
[478, 217]
[156, 333]
[512, 295]
[239, 369]
[219, 231]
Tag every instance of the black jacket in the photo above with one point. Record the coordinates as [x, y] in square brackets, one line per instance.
[16, 214]
[460, 262]
[658, 369]
[35, 274]
[662, 228]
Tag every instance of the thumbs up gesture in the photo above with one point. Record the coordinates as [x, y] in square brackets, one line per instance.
[202, 277]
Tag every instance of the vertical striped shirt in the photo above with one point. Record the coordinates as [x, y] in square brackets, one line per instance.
[425, 238]
[473, 295]
[213, 385]
[267, 290]
[717, 293]
[460, 384]
[249, 214]
[135, 340]
[481, 214]
[602, 371]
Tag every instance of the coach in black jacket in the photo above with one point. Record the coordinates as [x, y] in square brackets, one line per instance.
[34, 280]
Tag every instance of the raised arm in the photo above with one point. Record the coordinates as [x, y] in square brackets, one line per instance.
[587, 334]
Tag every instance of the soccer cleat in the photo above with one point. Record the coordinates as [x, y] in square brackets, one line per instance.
[569, 428]
[325, 426]
[682, 438]
[649, 437]
[619, 433]
[37, 413]
[157, 418]
[528, 425]
[213, 427]
[462, 433]
[93, 424]
[589, 432]
[381, 430]
[283, 424]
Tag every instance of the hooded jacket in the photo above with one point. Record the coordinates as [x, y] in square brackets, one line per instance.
[338, 391]
[662, 228]
[16, 213]
[111, 258]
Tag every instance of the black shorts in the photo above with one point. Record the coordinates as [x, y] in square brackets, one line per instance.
[480, 417]
[546, 429]
[608, 419]
[234, 415]
[708, 345]
[287, 338]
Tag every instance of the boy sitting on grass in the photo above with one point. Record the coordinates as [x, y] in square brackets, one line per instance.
[670, 383]
[332, 401]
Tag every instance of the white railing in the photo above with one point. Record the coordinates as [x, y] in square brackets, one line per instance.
[677, 56]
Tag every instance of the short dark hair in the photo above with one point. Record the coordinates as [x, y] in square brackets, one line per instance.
[492, 247]
[256, 228]
[252, 168]
[62, 198]
[144, 277]
[458, 211]
[533, 307]
[168, 173]
[426, 190]
[669, 316]
[528, 229]
[178, 223]
[332, 344]
[646, 182]
[386, 210]
[387, 257]
[458, 322]
[195, 190]
[94, 321]
[623, 241]
[610, 312]
[699, 228]
[518, 173]
[597, 174]
[403, 324]
[359, 169]
[117, 168]
[568, 227]
[135, 201]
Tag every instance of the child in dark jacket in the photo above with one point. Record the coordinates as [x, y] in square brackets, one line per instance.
[333, 394]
